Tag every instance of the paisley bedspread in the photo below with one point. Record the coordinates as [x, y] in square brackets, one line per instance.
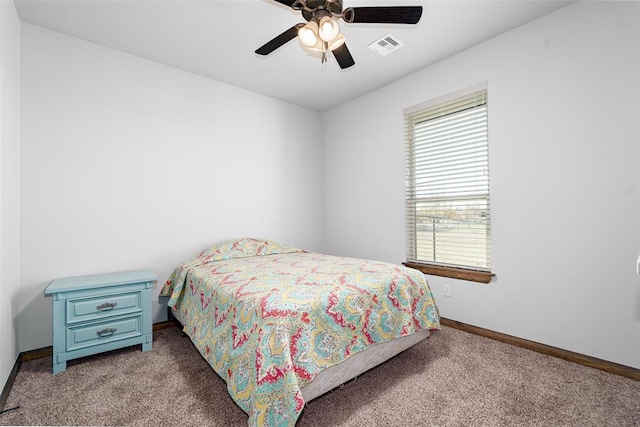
[268, 317]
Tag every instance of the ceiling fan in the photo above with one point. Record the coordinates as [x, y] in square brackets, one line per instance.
[321, 33]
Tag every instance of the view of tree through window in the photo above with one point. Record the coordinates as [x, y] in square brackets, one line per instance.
[448, 219]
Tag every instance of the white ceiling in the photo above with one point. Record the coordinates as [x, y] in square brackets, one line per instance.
[217, 39]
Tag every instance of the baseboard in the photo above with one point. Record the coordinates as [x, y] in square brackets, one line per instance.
[164, 325]
[611, 367]
[7, 387]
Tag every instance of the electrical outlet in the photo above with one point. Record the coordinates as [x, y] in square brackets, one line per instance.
[447, 291]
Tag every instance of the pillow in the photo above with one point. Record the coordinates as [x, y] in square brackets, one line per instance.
[245, 248]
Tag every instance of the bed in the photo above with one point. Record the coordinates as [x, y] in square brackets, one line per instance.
[282, 325]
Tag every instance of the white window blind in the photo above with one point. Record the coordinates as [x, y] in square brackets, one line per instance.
[447, 181]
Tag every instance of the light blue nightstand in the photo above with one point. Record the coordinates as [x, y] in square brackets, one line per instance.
[102, 312]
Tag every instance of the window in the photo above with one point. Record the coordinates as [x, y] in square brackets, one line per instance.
[447, 183]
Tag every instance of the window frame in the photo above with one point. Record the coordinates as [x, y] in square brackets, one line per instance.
[462, 272]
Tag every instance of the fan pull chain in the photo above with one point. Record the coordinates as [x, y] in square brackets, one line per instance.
[325, 45]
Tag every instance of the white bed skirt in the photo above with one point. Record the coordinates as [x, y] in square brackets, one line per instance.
[358, 363]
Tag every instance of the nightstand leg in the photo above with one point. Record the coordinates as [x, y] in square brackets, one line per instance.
[146, 346]
[59, 367]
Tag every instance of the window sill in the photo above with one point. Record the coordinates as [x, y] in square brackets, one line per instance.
[454, 273]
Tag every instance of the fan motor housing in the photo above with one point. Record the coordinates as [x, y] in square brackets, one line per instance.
[315, 9]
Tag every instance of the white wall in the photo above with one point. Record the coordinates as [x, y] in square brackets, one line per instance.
[564, 129]
[129, 164]
[9, 186]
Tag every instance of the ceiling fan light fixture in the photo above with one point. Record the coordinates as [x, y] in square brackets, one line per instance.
[318, 47]
[309, 34]
[328, 29]
[337, 42]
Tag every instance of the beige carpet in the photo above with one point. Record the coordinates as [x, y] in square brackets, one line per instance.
[452, 379]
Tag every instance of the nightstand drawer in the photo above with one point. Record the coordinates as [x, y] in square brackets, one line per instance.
[99, 333]
[81, 310]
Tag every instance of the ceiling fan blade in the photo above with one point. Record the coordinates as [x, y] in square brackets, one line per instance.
[280, 40]
[343, 56]
[383, 14]
[287, 2]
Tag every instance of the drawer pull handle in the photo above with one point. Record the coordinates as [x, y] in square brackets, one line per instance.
[107, 306]
[107, 332]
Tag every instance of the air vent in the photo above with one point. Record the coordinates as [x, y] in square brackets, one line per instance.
[385, 45]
